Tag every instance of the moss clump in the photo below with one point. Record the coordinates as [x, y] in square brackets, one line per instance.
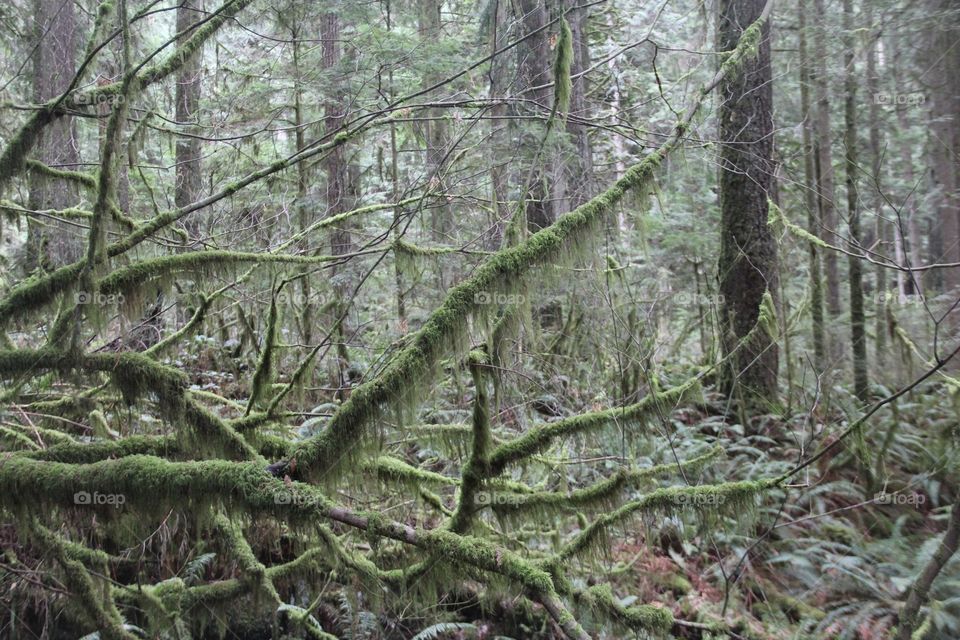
[638, 618]
[264, 373]
[477, 552]
[562, 84]
[539, 438]
[728, 495]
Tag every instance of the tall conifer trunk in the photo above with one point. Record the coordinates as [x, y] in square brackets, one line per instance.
[748, 254]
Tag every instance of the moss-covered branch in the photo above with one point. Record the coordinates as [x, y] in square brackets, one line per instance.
[541, 437]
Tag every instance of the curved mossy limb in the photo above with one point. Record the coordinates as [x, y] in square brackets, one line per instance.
[539, 438]
[601, 494]
[643, 618]
[137, 375]
[724, 494]
[128, 280]
[97, 603]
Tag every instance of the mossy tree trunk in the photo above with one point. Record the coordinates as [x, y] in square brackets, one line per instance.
[748, 253]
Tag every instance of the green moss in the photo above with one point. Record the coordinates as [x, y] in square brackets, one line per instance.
[638, 618]
[136, 375]
[602, 494]
[95, 603]
[726, 495]
[539, 438]
[129, 279]
[562, 84]
[478, 552]
[263, 375]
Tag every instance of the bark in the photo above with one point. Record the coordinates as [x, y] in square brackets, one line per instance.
[748, 253]
[435, 128]
[882, 228]
[187, 97]
[579, 167]
[534, 70]
[51, 244]
[810, 191]
[857, 320]
[824, 162]
[341, 184]
[945, 139]
[499, 142]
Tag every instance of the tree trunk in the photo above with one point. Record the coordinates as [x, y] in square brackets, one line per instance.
[748, 253]
[51, 244]
[534, 70]
[579, 168]
[810, 191]
[339, 191]
[857, 320]
[824, 162]
[189, 179]
[882, 228]
[435, 130]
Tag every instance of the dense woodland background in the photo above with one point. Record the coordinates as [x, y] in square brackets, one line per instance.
[479, 319]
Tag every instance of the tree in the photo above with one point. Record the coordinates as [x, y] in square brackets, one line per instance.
[748, 254]
[858, 334]
[187, 99]
[52, 243]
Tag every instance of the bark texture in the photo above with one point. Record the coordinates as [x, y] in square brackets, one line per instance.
[748, 255]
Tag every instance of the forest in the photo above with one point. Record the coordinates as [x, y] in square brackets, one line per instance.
[479, 319]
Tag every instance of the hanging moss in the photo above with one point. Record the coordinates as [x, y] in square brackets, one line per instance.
[97, 605]
[77, 453]
[136, 375]
[130, 279]
[390, 468]
[775, 215]
[478, 552]
[727, 495]
[562, 84]
[638, 618]
[263, 376]
[477, 468]
[603, 494]
[539, 438]
[37, 291]
[231, 535]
